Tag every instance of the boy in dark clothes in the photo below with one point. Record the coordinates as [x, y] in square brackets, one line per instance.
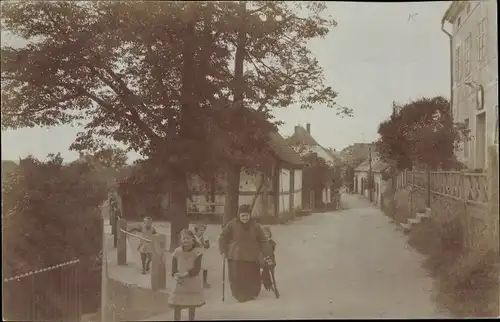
[266, 269]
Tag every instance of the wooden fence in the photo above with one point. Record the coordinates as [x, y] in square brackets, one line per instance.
[468, 187]
[49, 294]
[470, 198]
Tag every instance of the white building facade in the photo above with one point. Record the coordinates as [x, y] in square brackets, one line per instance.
[475, 75]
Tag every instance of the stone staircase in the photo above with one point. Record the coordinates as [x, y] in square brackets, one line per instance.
[420, 216]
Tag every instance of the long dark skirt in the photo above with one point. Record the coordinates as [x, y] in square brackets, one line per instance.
[245, 280]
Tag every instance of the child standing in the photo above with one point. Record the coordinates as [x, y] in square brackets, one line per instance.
[268, 265]
[186, 268]
[146, 248]
[199, 231]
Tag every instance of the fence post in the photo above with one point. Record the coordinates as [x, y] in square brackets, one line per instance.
[113, 222]
[158, 269]
[493, 197]
[121, 247]
[428, 188]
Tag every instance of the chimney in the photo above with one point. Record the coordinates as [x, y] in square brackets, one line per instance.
[81, 155]
[308, 127]
[296, 129]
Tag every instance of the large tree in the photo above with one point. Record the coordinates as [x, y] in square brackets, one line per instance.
[421, 134]
[132, 72]
[158, 78]
[274, 69]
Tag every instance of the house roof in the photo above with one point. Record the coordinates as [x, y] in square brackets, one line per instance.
[356, 152]
[377, 164]
[303, 143]
[335, 155]
[454, 10]
[283, 150]
[301, 137]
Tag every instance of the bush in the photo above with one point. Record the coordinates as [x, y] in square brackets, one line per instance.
[53, 217]
[466, 280]
[303, 213]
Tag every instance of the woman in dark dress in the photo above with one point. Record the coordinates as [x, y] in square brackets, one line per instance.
[241, 242]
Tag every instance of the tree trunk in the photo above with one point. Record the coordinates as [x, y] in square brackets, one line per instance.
[179, 174]
[232, 194]
[178, 207]
[233, 170]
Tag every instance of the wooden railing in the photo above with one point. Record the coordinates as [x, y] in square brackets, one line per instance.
[466, 186]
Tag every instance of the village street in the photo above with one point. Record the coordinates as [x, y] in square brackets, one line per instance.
[348, 264]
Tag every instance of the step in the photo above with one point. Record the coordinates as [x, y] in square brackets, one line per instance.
[414, 221]
[406, 227]
[422, 215]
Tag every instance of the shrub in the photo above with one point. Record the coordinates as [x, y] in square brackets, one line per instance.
[302, 213]
[467, 279]
[53, 217]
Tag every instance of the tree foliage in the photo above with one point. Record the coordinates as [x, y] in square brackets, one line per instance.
[51, 216]
[157, 76]
[112, 157]
[317, 175]
[421, 134]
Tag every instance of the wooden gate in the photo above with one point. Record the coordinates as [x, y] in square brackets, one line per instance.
[48, 294]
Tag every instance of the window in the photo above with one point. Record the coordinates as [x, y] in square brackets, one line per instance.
[481, 39]
[467, 53]
[457, 63]
[459, 21]
[466, 143]
[468, 8]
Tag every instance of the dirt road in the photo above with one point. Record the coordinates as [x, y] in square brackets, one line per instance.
[348, 264]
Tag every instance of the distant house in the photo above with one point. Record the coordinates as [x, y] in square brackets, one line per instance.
[278, 193]
[304, 143]
[353, 156]
[361, 177]
[356, 152]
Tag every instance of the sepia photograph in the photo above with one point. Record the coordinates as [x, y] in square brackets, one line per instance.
[249, 160]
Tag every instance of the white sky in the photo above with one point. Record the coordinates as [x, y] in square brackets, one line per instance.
[377, 54]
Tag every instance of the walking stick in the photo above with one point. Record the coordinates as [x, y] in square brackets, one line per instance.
[273, 279]
[223, 277]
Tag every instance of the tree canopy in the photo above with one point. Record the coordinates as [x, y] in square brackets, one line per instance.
[158, 77]
[421, 134]
[119, 69]
[112, 157]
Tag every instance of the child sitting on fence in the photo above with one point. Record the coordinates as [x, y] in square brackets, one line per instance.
[186, 268]
[145, 248]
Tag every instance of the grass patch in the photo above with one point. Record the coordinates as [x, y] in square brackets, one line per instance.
[466, 281]
[396, 206]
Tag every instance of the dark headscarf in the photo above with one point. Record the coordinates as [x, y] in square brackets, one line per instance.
[245, 209]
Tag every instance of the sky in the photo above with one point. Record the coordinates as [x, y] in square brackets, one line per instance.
[378, 53]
